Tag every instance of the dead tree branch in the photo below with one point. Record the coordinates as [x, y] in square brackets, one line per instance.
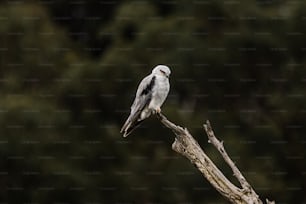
[187, 146]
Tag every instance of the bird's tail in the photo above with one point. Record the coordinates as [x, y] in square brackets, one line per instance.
[130, 127]
[133, 121]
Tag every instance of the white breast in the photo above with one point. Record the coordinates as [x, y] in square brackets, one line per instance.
[160, 92]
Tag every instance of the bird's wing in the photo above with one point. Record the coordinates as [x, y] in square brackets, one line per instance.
[142, 99]
[144, 93]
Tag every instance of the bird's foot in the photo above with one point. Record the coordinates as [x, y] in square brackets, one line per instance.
[157, 111]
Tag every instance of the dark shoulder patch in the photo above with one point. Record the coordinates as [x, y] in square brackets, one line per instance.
[149, 87]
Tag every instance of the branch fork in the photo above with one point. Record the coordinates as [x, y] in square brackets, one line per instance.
[187, 146]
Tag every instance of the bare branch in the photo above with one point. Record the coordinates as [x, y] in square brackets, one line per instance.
[187, 146]
[220, 147]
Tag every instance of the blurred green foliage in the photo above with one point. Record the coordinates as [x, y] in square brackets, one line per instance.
[68, 75]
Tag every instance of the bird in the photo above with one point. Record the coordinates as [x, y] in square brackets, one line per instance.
[150, 95]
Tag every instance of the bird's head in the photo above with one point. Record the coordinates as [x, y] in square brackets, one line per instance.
[162, 70]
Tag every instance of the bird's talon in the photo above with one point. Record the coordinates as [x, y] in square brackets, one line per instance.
[157, 111]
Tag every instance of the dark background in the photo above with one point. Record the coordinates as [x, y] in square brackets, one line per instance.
[69, 71]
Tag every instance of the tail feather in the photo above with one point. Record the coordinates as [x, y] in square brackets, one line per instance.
[130, 127]
[133, 121]
[130, 124]
[125, 126]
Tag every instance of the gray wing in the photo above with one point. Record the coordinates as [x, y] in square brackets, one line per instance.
[142, 99]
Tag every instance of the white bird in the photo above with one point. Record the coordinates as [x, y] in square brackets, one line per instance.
[151, 94]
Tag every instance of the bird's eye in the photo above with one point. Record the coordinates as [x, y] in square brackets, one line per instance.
[162, 72]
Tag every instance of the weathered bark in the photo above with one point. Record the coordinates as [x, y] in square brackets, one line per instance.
[187, 146]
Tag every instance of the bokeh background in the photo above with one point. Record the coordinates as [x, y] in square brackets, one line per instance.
[68, 75]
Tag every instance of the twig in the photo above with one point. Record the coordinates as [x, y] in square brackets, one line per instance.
[220, 147]
[187, 146]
